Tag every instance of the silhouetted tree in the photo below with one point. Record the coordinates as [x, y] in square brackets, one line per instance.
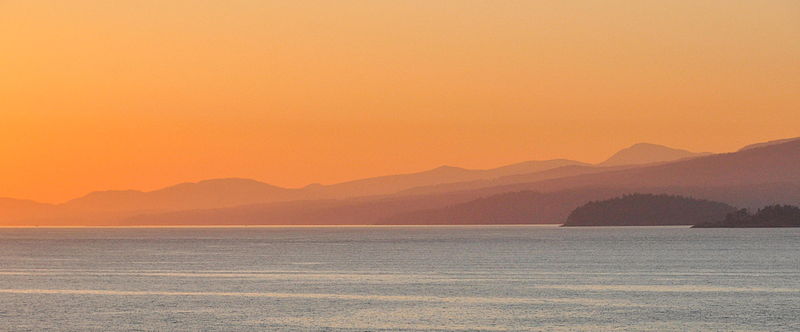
[768, 216]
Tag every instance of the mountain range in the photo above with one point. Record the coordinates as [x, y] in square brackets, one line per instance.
[748, 178]
[528, 192]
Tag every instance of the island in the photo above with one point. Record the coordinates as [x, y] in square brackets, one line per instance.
[648, 210]
[769, 216]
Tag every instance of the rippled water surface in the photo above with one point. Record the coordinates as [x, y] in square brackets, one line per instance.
[505, 278]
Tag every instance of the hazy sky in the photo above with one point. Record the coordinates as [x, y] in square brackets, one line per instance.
[143, 94]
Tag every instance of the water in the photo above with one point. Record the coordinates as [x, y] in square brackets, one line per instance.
[503, 278]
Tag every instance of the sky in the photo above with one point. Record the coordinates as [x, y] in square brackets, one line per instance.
[142, 94]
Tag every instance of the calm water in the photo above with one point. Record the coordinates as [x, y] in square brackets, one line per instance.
[400, 278]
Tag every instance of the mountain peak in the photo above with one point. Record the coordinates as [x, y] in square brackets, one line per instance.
[769, 143]
[220, 184]
[646, 153]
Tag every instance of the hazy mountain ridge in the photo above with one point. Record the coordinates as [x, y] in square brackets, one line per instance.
[522, 207]
[210, 193]
[555, 206]
[454, 208]
[386, 185]
[230, 192]
[220, 193]
[770, 164]
[768, 169]
[510, 180]
[11, 208]
[745, 178]
[636, 155]
[646, 153]
[765, 144]
[236, 191]
[756, 177]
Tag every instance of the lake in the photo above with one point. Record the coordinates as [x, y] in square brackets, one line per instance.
[449, 278]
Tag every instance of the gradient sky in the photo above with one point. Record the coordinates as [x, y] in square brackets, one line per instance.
[143, 94]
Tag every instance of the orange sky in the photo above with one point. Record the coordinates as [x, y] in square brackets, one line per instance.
[143, 94]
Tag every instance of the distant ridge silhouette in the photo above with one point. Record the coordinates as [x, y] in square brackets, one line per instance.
[228, 192]
[13, 209]
[765, 144]
[754, 177]
[208, 193]
[217, 193]
[762, 175]
[646, 153]
[390, 184]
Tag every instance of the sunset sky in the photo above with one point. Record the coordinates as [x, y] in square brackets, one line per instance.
[143, 94]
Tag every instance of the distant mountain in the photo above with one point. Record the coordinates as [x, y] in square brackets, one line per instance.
[765, 144]
[105, 206]
[770, 164]
[766, 175]
[744, 178]
[467, 207]
[16, 209]
[647, 210]
[21, 204]
[204, 194]
[524, 207]
[529, 167]
[634, 156]
[222, 193]
[366, 211]
[646, 153]
[385, 185]
[219, 193]
[564, 171]
[754, 177]
[230, 192]
[531, 207]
